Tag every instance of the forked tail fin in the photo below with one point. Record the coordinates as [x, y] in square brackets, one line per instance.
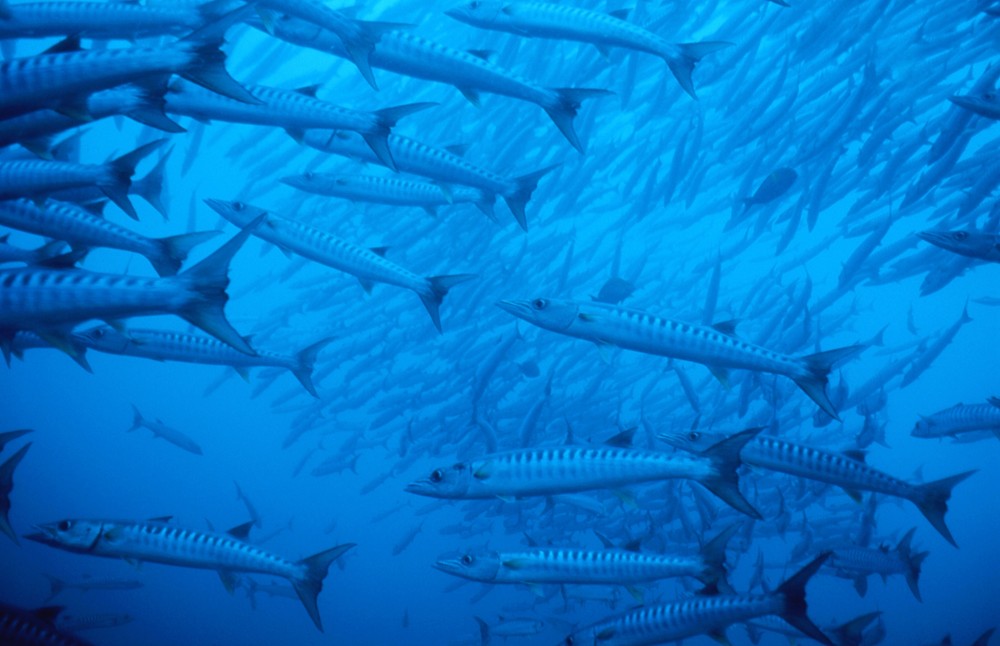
[725, 458]
[524, 186]
[305, 362]
[6, 486]
[440, 285]
[682, 64]
[793, 592]
[932, 501]
[818, 367]
[563, 111]
[310, 583]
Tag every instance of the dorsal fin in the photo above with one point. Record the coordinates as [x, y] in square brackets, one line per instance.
[458, 149]
[161, 519]
[633, 545]
[856, 454]
[484, 54]
[531, 541]
[241, 532]
[726, 327]
[622, 440]
[379, 251]
[607, 542]
[64, 46]
[620, 14]
[308, 90]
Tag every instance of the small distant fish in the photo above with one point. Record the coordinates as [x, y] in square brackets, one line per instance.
[163, 431]
[774, 186]
[960, 418]
[858, 562]
[74, 623]
[614, 291]
[87, 583]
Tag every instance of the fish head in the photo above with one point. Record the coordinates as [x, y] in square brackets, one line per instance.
[962, 242]
[444, 482]
[74, 535]
[477, 12]
[481, 566]
[239, 213]
[591, 635]
[546, 313]
[104, 337]
[923, 427]
[693, 440]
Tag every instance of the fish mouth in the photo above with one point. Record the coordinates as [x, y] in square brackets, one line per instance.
[219, 206]
[937, 238]
[520, 309]
[451, 566]
[420, 487]
[673, 439]
[45, 535]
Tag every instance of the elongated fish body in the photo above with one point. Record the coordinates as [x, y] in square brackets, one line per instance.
[160, 542]
[293, 110]
[565, 469]
[644, 332]
[39, 177]
[74, 623]
[164, 432]
[140, 103]
[79, 227]
[867, 560]
[98, 19]
[960, 418]
[567, 22]
[612, 566]
[40, 298]
[846, 470]
[669, 622]
[388, 190]
[972, 244]
[327, 249]
[20, 627]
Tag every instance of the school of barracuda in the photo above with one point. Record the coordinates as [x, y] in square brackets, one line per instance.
[686, 271]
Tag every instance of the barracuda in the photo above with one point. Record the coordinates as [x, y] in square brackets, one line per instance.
[541, 472]
[389, 190]
[63, 78]
[445, 167]
[610, 566]
[161, 345]
[157, 541]
[858, 562]
[81, 228]
[662, 623]
[51, 301]
[367, 265]
[716, 348]
[960, 418]
[293, 110]
[103, 19]
[847, 470]
[35, 627]
[471, 73]
[565, 22]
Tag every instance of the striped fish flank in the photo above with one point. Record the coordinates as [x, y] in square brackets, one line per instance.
[158, 541]
[20, 627]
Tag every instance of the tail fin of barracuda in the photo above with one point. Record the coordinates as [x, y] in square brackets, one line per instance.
[118, 181]
[6, 486]
[913, 562]
[174, 250]
[153, 187]
[137, 420]
[524, 186]
[725, 459]
[713, 553]
[208, 63]
[932, 501]
[440, 285]
[207, 281]
[306, 360]
[852, 632]
[567, 104]
[309, 585]
[385, 120]
[682, 64]
[793, 592]
[360, 46]
[818, 367]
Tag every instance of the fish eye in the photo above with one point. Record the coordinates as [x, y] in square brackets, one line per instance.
[437, 475]
[474, 4]
[569, 641]
[467, 559]
[308, 174]
[539, 303]
[99, 332]
[238, 206]
[960, 235]
[65, 525]
[694, 436]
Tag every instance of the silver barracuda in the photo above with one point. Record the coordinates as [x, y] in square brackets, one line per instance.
[164, 432]
[566, 22]
[292, 110]
[51, 301]
[163, 345]
[971, 244]
[715, 347]
[156, 541]
[367, 265]
[101, 19]
[545, 471]
[960, 418]
[711, 615]
[443, 166]
[847, 470]
[857, 563]
[35, 627]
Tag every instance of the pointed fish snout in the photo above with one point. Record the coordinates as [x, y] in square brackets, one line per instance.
[517, 308]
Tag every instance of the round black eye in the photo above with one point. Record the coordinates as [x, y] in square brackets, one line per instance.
[309, 174]
[569, 641]
[65, 525]
[539, 303]
[960, 235]
[694, 435]
[437, 475]
[238, 206]
[475, 4]
[467, 559]
[99, 332]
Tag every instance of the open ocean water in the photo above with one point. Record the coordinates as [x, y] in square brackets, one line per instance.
[833, 119]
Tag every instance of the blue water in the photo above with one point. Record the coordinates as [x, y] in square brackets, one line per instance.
[396, 397]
